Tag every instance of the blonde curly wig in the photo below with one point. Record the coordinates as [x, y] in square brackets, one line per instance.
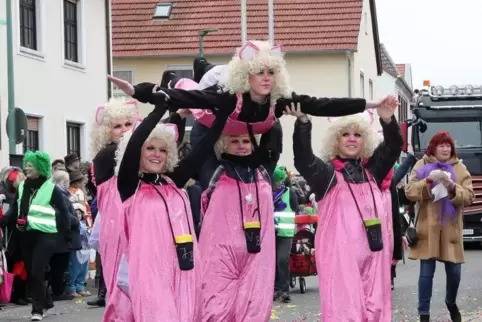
[237, 79]
[222, 143]
[114, 110]
[160, 132]
[357, 122]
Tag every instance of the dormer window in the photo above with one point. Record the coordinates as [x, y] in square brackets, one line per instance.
[163, 10]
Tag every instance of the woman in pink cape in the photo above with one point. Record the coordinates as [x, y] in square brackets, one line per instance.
[163, 261]
[112, 120]
[354, 237]
[237, 238]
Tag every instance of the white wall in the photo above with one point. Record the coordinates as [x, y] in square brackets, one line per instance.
[48, 87]
[365, 59]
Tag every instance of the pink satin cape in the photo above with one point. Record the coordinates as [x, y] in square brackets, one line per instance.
[112, 246]
[159, 290]
[354, 281]
[237, 286]
[233, 126]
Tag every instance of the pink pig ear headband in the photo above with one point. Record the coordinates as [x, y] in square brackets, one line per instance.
[249, 51]
[101, 111]
[168, 127]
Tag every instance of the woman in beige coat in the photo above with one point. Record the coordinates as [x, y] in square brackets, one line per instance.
[439, 224]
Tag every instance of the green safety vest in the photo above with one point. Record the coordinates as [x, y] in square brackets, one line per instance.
[285, 220]
[41, 215]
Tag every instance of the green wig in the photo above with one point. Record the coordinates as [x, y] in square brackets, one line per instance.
[41, 162]
[280, 174]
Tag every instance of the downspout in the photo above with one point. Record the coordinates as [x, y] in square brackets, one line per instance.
[108, 32]
[348, 59]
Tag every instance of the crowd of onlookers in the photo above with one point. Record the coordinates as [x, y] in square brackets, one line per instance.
[69, 264]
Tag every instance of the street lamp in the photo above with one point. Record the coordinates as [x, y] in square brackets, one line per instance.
[202, 33]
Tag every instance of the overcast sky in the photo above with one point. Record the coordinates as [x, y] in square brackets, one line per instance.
[442, 40]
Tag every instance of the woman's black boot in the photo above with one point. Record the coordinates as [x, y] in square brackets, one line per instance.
[424, 318]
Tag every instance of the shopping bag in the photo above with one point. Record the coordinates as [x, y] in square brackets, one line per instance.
[7, 281]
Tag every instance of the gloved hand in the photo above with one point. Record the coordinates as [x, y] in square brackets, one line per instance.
[438, 176]
[22, 224]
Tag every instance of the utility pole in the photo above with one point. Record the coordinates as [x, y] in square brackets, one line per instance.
[11, 81]
[244, 21]
[271, 21]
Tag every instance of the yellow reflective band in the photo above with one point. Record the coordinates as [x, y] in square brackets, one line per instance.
[183, 239]
[252, 224]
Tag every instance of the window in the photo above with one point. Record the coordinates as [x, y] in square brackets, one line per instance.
[73, 138]
[127, 75]
[163, 10]
[370, 89]
[362, 85]
[31, 141]
[28, 24]
[184, 73]
[71, 31]
[465, 134]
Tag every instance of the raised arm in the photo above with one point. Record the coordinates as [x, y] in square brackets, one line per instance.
[128, 176]
[388, 152]
[188, 166]
[317, 173]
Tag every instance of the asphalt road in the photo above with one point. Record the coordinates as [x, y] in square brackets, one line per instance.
[305, 307]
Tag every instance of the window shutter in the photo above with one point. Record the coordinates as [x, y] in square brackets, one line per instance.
[33, 123]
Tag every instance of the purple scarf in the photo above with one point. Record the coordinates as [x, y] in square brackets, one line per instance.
[447, 209]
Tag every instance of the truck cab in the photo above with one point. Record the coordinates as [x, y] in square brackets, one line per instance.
[457, 110]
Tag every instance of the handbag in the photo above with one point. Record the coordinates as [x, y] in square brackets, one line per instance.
[411, 233]
[6, 283]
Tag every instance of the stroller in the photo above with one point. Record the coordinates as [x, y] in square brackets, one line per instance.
[302, 257]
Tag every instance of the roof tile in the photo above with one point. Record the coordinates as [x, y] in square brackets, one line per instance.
[301, 25]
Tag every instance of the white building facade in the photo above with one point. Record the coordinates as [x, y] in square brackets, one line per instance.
[61, 56]
[397, 82]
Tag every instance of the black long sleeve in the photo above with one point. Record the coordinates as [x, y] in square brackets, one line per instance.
[295, 206]
[403, 169]
[317, 173]
[104, 164]
[188, 166]
[210, 98]
[12, 213]
[128, 176]
[387, 153]
[323, 106]
[63, 213]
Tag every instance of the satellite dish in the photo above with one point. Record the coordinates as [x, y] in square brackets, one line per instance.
[21, 125]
